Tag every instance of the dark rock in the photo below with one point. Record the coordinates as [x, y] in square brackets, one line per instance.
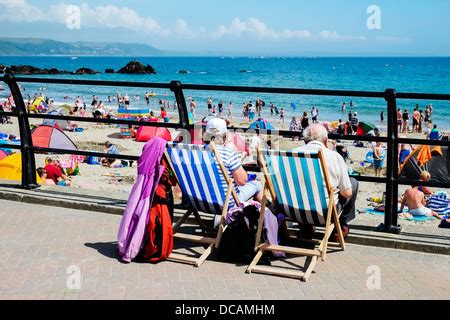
[27, 69]
[109, 71]
[183, 72]
[53, 71]
[85, 71]
[135, 67]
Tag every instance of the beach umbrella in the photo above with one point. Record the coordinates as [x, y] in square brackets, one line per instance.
[364, 128]
[262, 124]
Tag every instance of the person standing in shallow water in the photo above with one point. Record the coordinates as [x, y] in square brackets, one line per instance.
[382, 116]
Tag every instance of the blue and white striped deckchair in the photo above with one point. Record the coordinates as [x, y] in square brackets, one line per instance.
[300, 188]
[204, 181]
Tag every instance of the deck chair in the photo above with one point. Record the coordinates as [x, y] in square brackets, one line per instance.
[201, 176]
[300, 189]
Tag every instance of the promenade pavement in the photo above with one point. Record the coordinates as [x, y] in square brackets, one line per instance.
[56, 253]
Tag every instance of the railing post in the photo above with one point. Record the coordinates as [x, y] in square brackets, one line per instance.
[176, 88]
[391, 200]
[28, 161]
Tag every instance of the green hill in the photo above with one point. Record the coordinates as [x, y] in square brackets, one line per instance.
[37, 46]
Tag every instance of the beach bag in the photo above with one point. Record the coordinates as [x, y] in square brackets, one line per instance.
[159, 244]
[238, 239]
[439, 203]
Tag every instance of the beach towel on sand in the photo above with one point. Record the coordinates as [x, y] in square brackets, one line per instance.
[135, 219]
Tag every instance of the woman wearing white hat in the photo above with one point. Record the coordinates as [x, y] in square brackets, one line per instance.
[217, 131]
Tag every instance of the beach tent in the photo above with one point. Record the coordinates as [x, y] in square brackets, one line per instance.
[40, 101]
[364, 128]
[435, 160]
[3, 154]
[145, 134]
[262, 124]
[64, 109]
[11, 168]
[51, 137]
[62, 124]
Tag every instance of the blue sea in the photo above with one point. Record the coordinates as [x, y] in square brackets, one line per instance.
[430, 75]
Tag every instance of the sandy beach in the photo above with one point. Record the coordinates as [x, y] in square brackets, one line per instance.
[118, 182]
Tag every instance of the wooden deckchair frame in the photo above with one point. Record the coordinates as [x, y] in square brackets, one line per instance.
[311, 254]
[210, 242]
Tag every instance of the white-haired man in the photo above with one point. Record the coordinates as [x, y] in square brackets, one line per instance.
[316, 137]
[216, 130]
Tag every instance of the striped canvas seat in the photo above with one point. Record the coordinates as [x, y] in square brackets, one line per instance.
[199, 175]
[203, 180]
[299, 185]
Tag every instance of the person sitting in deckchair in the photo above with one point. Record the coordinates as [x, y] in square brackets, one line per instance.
[216, 130]
[316, 137]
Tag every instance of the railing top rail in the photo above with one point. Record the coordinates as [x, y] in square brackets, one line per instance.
[347, 93]
[422, 96]
[93, 82]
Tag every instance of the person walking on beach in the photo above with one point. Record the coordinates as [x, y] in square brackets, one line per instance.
[251, 111]
[427, 114]
[346, 188]
[220, 105]
[94, 101]
[399, 120]
[272, 109]
[304, 122]
[245, 112]
[193, 105]
[126, 99]
[230, 110]
[164, 115]
[282, 115]
[421, 118]
[210, 105]
[416, 118]
[405, 118]
[314, 115]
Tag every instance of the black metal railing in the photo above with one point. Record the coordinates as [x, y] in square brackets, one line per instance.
[392, 181]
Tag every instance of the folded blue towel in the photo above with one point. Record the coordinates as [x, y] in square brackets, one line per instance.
[419, 219]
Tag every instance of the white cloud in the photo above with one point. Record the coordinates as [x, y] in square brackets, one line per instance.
[333, 35]
[113, 17]
[183, 30]
[253, 27]
[20, 11]
[108, 16]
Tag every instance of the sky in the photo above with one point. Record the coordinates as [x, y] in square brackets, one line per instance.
[261, 27]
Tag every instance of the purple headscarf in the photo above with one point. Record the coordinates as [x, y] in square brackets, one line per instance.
[135, 219]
